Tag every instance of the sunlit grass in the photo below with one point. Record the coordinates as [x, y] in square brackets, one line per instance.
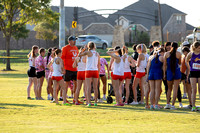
[17, 114]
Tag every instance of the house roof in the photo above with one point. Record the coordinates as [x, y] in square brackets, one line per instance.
[143, 12]
[89, 16]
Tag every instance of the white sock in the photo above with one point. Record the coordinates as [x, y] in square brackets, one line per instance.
[104, 95]
[60, 97]
[48, 95]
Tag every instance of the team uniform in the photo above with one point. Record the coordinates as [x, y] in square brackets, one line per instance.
[127, 69]
[195, 66]
[81, 70]
[69, 54]
[47, 71]
[91, 66]
[103, 62]
[38, 63]
[118, 70]
[155, 70]
[32, 71]
[140, 70]
[170, 75]
[57, 71]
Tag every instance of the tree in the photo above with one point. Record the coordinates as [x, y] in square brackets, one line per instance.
[142, 37]
[14, 14]
[21, 33]
[47, 31]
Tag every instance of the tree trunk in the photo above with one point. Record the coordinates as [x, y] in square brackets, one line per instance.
[8, 52]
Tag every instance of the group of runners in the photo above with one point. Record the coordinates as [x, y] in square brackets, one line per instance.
[166, 63]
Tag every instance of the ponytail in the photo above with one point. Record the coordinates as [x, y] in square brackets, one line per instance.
[173, 57]
[49, 54]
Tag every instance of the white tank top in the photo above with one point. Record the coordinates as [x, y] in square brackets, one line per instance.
[92, 61]
[56, 69]
[127, 65]
[81, 65]
[30, 61]
[143, 65]
[118, 68]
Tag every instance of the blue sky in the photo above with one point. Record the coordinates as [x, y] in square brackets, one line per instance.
[190, 7]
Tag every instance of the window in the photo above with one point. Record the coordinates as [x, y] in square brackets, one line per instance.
[178, 19]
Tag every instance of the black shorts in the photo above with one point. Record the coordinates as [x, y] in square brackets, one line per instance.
[70, 75]
[194, 74]
[31, 72]
[101, 75]
[40, 74]
[183, 76]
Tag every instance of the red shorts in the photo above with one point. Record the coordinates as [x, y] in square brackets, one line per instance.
[127, 75]
[140, 74]
[92, 74]
[116, 77]
[111, 74]
[81, 75]
[57, 78]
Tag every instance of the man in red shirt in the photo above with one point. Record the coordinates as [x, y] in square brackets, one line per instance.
[69, 53]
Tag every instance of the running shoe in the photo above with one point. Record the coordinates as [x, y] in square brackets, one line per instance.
[83, 97]
[184, 97]
[29, 98]
[58, 104]
[121, 104]
[141, 102]
[134, 103]
[117, 105]
[193, 109]
[125, 103]
[172, 108]
[168, 106]
[36, 98]
[147, 107]
[104, 98]
[89, 105]
[49, 97]
[189, 107]
[40, 98]
[198, 108]
[67, 104]
[99, 101]
[95, 104]
[53, 101]
[151, 107]
[77, 103]
[180, 105]
[156, 107]
[60, 99]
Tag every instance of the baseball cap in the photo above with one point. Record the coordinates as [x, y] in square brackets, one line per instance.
[72, 38]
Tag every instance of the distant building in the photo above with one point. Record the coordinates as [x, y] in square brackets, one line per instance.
[143, 14]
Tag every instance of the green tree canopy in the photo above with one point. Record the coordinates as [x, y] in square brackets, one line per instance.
[14, 14]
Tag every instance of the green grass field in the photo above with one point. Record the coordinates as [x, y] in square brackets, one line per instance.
[17, 114]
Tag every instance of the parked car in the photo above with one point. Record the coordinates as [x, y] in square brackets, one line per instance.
[84, 39]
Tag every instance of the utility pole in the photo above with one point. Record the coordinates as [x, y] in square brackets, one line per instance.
[160, 18]
[62, 25]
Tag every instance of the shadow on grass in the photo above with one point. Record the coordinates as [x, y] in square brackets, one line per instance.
[19, 105]
[139, 108]
[13, 76]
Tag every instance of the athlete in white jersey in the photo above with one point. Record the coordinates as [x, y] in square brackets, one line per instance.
[129, 61]
[92, 71]
[118, 72]
[32, 71]
[58, 71]
[140, 73]
[80, 63]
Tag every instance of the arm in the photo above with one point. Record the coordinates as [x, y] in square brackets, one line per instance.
[164, 66]
[75, 64]
[148, 66]
[50, 64]
[62, 66]
[111, 53]
[139, 60]
[107, 69]
[99, 64]
[188, 57]
[131, 60]
[111, 62]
